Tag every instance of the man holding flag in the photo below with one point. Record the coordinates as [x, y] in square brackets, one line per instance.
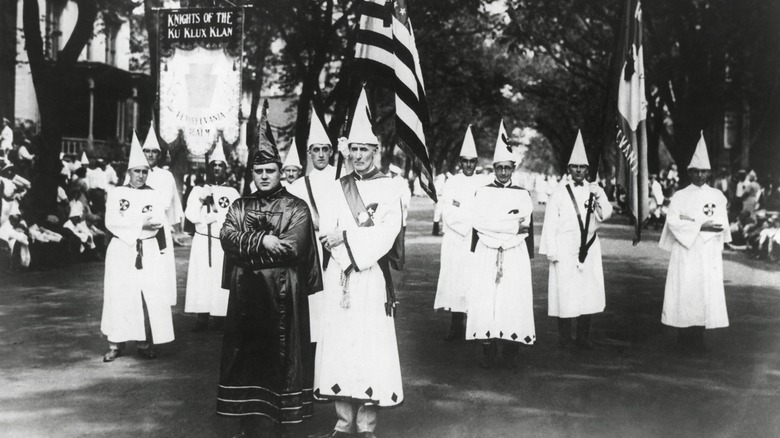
[357, 363]
[569, 239]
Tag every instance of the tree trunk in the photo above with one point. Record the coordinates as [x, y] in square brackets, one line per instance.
[7, 59]
[48, 79]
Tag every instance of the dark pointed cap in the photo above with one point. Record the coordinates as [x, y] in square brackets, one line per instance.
[265, 150]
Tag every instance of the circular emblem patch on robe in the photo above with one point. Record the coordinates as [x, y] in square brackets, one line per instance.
[124, 204]
[224, 202]
[709, 209]
[589, 205]
[146, 209]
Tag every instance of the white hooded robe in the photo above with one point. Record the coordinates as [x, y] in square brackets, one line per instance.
[124, 284]
[456, 199]
[573, 290]
[204, 282]
[694, 293]
[500, 296]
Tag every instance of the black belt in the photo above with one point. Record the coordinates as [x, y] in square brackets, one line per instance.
[139, 247]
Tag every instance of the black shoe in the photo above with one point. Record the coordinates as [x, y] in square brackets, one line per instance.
[582, 344]
[146, 353]
[489, 352]
[565, 342]
[334, 434]
[112, 355]
[452, 336]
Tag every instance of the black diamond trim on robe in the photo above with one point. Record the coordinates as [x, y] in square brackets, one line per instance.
[487, 334]
[514, 336]
[500, 334]
[336, 388]
[369, 391]
[527, 339]
[394, 398]
[475, 334]
[317, 392]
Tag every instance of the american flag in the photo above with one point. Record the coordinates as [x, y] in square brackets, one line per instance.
[386, 54]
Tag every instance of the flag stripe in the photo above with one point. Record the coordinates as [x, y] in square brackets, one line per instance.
[375, 39]
[412, 142]
[410, 105]
[385, 52]
[369, 8]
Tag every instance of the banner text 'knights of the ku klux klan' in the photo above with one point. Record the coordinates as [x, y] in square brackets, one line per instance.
[200, 75]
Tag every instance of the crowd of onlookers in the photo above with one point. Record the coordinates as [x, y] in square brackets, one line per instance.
[75, 231]
[754, 208]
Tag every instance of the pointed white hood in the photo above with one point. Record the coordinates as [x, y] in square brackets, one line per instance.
[578, 155]
[218, 154]
[503, 150]
[469, 148]
[317, 133]
[292, 160]
[137, 157]
[701, 159]
[151, 139]
[361, 130]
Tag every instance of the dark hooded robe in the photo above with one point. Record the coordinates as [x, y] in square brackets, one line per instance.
[267, 366]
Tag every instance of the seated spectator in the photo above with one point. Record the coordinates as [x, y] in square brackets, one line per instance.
[25, 158]
[769, 239]
[76, 225]
[769, 199]
[40, 234]
[739, 230]
[750, 191]
[13, 232]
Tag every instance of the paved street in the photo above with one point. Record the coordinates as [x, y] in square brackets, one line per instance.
[633, 384]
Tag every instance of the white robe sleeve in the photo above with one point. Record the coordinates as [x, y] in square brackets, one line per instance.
[606, 207]
[456, 210]
[552, 219]
[721, 217]
[195, 210]
[124, 228]
[492, 218]
[366, 245]
[724, 219]
[683, 230]
[173, 209]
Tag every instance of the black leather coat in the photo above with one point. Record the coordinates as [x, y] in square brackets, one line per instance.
[267, 355]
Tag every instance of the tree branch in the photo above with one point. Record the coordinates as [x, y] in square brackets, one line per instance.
[82, 33]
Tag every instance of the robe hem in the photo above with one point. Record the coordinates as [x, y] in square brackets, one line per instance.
[324, 398]
[304, 418]
[696, 325]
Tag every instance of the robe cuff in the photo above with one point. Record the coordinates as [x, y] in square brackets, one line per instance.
[349, 252]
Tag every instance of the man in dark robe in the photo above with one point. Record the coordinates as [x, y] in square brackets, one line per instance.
[271, 266]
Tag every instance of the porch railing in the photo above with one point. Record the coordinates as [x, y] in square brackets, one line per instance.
[75, 146]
